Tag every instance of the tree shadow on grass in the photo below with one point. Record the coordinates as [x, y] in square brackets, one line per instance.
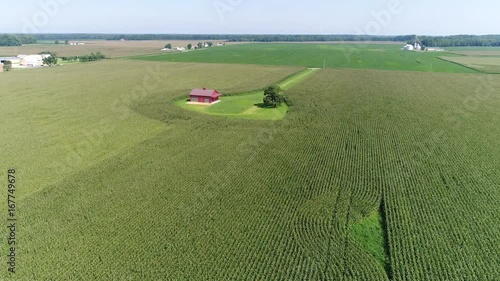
[262, 105]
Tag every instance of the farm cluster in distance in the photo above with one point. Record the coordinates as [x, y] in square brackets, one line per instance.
[383, 164]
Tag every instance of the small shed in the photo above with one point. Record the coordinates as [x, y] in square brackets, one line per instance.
[204, 96]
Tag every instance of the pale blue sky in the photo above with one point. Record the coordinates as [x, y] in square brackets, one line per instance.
[424, 17]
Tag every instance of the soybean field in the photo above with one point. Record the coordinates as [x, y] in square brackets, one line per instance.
[357, 56]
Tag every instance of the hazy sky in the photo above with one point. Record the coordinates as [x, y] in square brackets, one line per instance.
[381, 17]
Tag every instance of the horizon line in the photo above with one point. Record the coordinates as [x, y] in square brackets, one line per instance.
[265, 34]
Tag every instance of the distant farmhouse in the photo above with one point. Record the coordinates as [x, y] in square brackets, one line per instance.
[416, 46]
[204, 96]
[175, 49]
[408, 47]
[25, 61]
[32, 60]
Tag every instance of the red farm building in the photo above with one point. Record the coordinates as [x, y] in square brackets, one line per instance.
[204, 96]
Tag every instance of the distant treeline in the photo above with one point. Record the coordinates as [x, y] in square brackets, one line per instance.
[461, 41]
[16, 40]
[225, 37]
[430, 41]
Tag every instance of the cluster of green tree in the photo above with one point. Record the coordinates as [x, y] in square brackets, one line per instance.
[200, 45]
[203, 45]
[273, 96]
[92, 57]
[190, 46]
[66, 42]
[50, 60]
[69, 59]
[48, 53]
[16, 40]
[7, 65]
[437, 41]
[85, 58]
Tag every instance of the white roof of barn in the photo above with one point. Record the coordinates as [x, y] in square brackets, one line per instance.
[8, 58]
[408, 47]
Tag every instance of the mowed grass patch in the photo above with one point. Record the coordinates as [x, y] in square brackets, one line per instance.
[248, 105]
[361, 56]
[242, 106]
[369, 232]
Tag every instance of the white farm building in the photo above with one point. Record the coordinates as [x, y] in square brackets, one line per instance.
[13, 60]
[408, 47]
[25, 61]
[33, 60]
[416, 46]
